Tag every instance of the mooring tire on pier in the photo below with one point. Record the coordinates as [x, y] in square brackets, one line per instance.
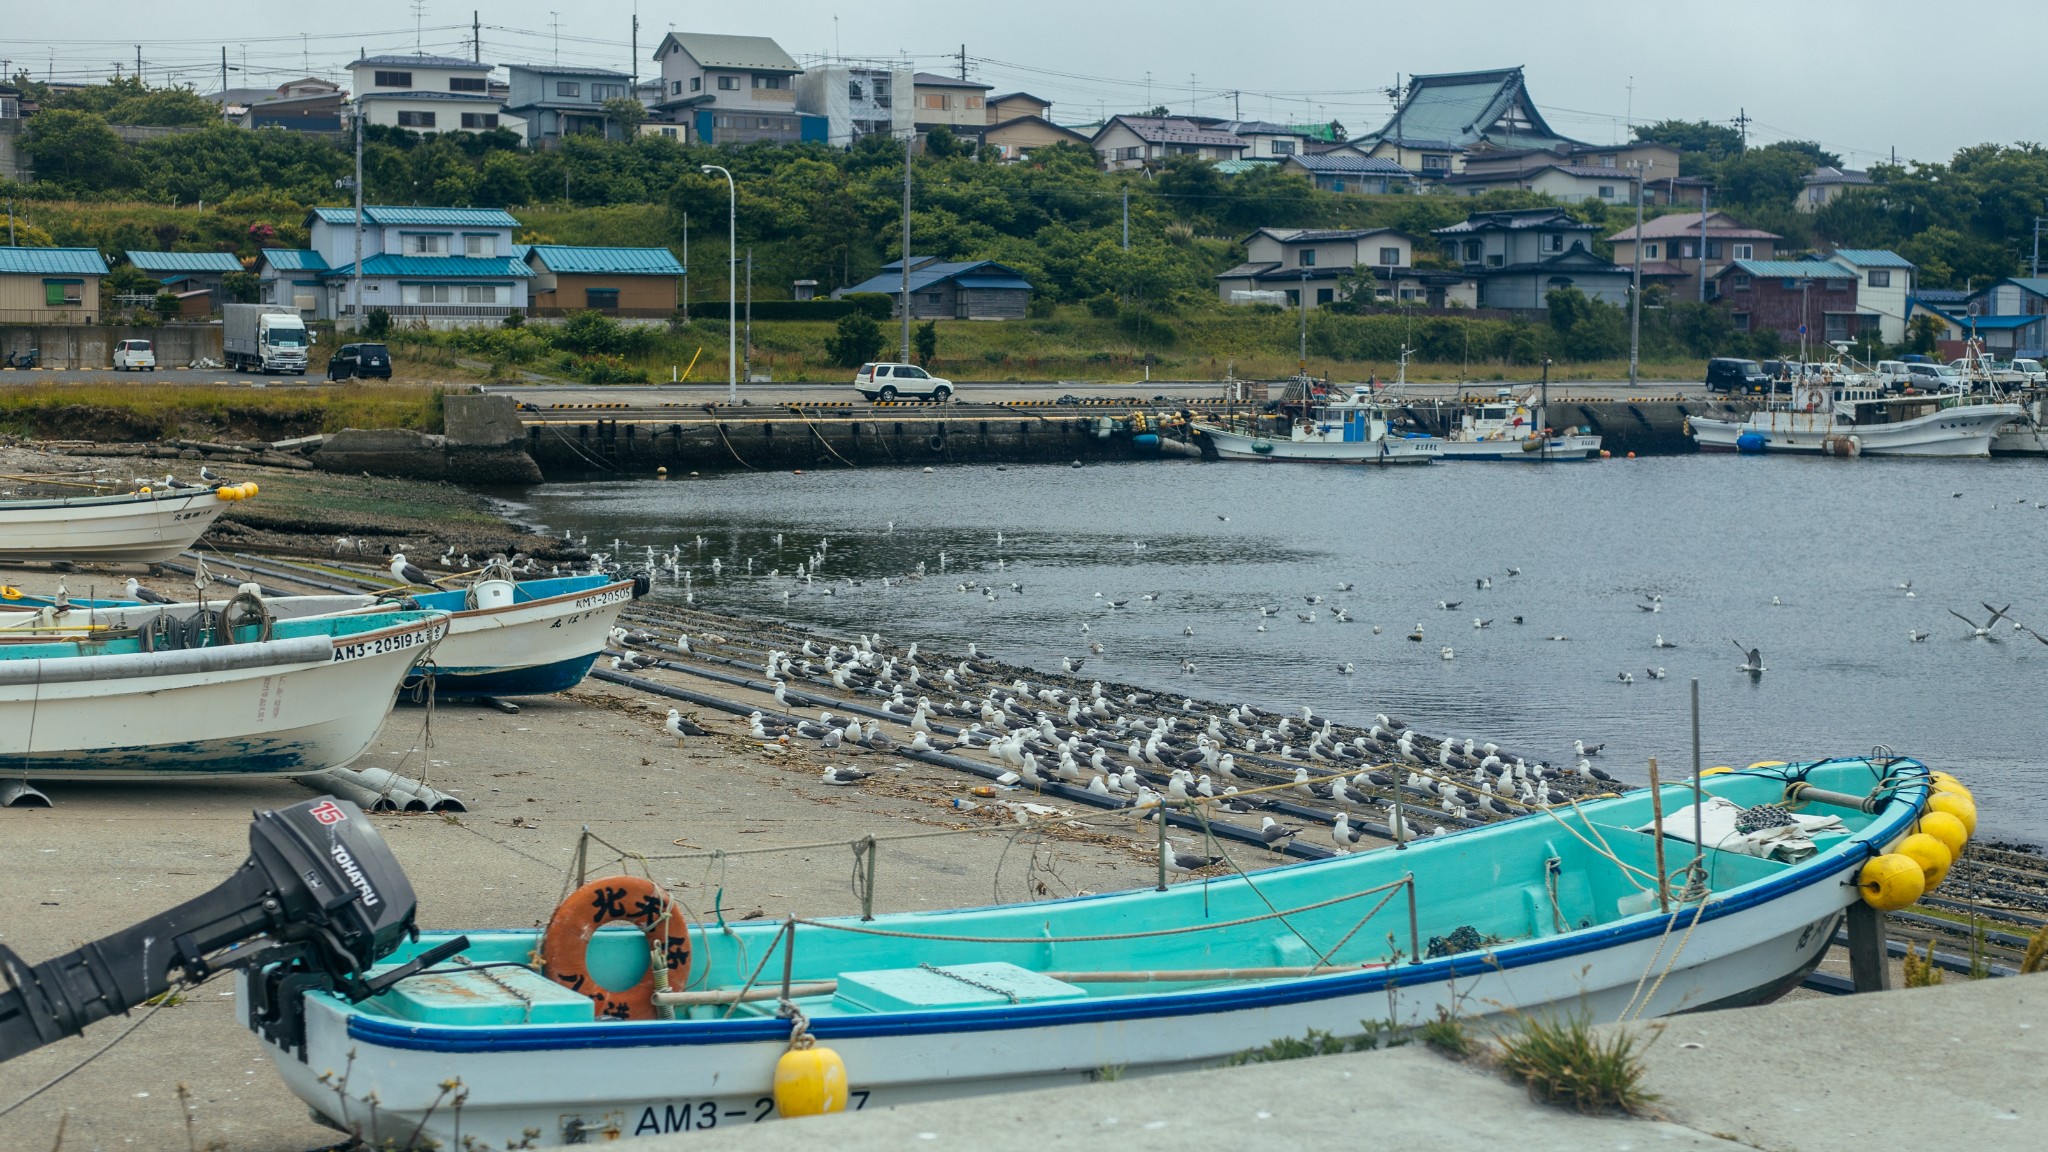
[565, 946]
[937, 442]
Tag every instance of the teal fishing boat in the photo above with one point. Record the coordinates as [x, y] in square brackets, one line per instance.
[568, 1035]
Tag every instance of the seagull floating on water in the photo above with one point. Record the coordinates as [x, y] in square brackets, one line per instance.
[1753, 659]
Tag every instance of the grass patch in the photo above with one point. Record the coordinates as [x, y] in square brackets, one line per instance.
[1447, 1034]
[142, 411]
[2035, 959]
[1376, 1034]
[1919, 971]
[1566, 1062]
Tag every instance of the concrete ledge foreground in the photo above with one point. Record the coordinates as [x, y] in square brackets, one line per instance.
[1964, 1065]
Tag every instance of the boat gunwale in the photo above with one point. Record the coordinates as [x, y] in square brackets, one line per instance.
[111, 500]
[1899, 812]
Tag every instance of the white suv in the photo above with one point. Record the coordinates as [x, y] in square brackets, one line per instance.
[134, 356]
[883, 381]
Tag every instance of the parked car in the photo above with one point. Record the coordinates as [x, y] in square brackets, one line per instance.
[888, 381]
[1934, 378]
[1727, 374]
[1893, 374]
[360, 361]
[2031, 372]
[134, 356]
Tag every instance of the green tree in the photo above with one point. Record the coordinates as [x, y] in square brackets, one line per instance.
[1923, 334]
[128, 280]
[626, 114]
[1768, 175]
[941, 144]
[855, 341]
[1357, 291]
[501, 182]
[925, 341]
[241, 287]
[74, 148]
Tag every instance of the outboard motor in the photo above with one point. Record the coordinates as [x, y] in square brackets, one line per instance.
[320, 886]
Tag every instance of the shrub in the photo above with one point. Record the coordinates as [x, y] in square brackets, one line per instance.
[376, 324]
[166, 304]
[855, 341]
[513, 319]
[1103, 307]
[875, 305]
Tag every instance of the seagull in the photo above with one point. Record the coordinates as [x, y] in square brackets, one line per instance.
[1584, 749]
[148, 596]
[1652, 606]
[844, 776]
[209, 475]
[1344, 668]
[674, 726]
[1478, 623]
[1483, 583]
[1188, 631]
[1346, 586]
[1273, 832]
[1907, 588]
[1343, 835]
[1185, 862]
[1661, 642]
[1917, 636]
[1625, 677]
[1977, 631]
[400, 570]
[1313, 599]
[1417, 634]
[1657, 673]
[1514, 571]
[1449, 605]
[1754, 660]
[1445, 652]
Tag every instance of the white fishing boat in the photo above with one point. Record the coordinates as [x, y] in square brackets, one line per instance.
[148, 526]
[2025, 436]
[1313, 423]
[505, 637]
[1572, 911]
[179, 699]
[1513, 428]
[1821, 417]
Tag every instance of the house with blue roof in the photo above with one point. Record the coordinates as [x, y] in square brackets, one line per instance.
[952, 289]
[2010, 316]
[187, 272]
[1886, 286]
[50, 285]
[1353, 175]
[643, 282]
[446, 267]
[1520, 256]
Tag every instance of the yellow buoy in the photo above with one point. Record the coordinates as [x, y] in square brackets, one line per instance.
[810, 1081]
[1946, 828]
[1931, 854]
[226, 492]
[1943, 782]
[1891, 882]
[251, 486]
[1961, 807]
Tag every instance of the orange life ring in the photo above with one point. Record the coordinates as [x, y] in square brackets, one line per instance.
[565, 946]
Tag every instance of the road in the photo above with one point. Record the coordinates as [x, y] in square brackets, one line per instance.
[654, 395]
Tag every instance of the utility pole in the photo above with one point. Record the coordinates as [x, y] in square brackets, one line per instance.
[356, 277]
[747, 369]
[963, 63]
[686, 267]
[1127, 221]
[223, 68]
[909, 142]
[1703, 243]
[634, 71]
[1635, 322]
[1236, 112]
[476, 36]
[2035, 269]
[138, 63]
[1742, 126]
[1302, 367]
[10, 224]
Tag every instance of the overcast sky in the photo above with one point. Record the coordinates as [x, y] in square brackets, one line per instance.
[1861, 77]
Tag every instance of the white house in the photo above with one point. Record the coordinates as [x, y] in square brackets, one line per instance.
[447, 267]
[1293, 260]
[1887, 286]
[732, 89]
[429, 94]
[858, 100]
[1265, 140]
[1128, 142]
[1566, 183]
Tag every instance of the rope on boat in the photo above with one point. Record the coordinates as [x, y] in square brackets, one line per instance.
[1101, 937]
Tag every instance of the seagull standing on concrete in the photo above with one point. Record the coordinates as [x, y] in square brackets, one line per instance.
[674, 726]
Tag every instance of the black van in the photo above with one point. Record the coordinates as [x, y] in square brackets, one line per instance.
[360, 360]
[1727, 374]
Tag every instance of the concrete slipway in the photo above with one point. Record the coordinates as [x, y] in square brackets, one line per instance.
[1963, 1065]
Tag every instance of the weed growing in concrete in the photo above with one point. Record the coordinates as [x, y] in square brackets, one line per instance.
[1376, 1034]
[2035, 959]
[1567, 1062]
[1919, 970]
[1447, 1034]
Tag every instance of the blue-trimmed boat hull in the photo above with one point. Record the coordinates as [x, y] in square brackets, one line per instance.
[1764, 925]
[538, 680]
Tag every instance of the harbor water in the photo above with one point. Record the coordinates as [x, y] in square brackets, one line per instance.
[1803, 559]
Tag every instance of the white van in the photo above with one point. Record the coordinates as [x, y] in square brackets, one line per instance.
[134, 356]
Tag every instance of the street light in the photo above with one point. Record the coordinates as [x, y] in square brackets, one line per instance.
[732, 245]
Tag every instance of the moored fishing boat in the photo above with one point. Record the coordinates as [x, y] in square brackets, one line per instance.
[176, 697]
[1514, 428]
[1571, 910]
[505, 638]
[1822, 417]
[1313, 424]
[147, 526]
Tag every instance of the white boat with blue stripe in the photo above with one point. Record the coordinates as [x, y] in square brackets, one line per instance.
[1570, 910]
